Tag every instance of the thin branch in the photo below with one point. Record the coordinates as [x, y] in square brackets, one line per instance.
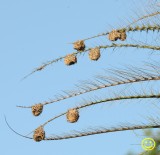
[14, 130]
[144, 17]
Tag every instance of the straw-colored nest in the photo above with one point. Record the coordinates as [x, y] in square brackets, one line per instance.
[123, 36]
[114, 35]
[70, 59]
[94, 53]
[37, 109]
[79, 45]
[39, 134]
[72, 115]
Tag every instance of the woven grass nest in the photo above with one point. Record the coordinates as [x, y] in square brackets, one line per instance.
[72, 115]
[94, 54]
[116, 34]
[37, 109]
[39, 134]
[79, 45]
[70, 59]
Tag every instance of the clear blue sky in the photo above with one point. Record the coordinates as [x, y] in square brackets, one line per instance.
[35, 31]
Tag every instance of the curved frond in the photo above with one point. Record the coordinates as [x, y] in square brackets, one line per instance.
[129, 29]
[118, 77]
[77, 134]
[116, 98]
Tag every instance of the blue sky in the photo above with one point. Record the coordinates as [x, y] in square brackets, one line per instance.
[33, 32]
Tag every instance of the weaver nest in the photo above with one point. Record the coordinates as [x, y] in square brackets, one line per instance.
[37, 109]
[39, 134]
[79, 45]
[94, 53]
[72, 115]
[117, 34]
[70, 59]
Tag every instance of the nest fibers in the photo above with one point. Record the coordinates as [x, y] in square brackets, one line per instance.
[117, 34]
[94, 53]
[79, 45]
[123, 35]
[72, 115]
[70, 59]
[39, 134]
[37, 109]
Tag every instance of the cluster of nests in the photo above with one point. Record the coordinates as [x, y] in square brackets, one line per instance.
[94, 53]
[72, 116]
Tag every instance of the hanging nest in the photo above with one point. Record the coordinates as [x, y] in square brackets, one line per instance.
[70, 59]
[79, 45]
[72, 115]
[123, 35]
[114, 35]
[39, 134]
[37, 109]
[94, 53]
